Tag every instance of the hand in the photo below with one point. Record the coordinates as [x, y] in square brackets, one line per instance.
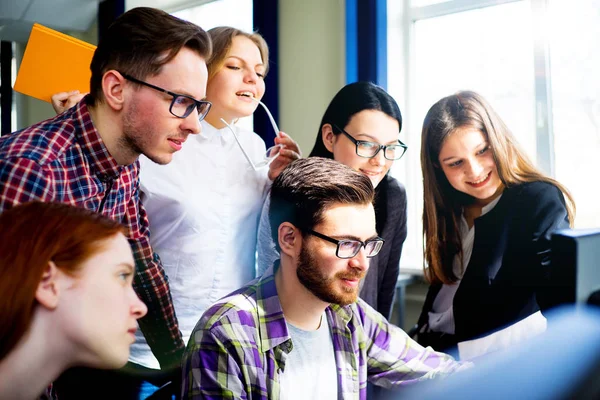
[289, 153]
[62, 101]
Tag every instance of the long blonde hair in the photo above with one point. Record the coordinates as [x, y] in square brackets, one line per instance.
[442, 204]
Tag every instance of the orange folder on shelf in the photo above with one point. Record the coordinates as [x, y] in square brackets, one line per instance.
[54, 62]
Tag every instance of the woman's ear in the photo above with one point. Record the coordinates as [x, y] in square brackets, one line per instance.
[113, 87]
[328, 137]
[287, 235]
[48, 291]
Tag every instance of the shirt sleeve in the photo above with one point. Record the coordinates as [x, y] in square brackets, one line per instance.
[210, 370]
[23, 180]
[548, 213]
[159, 326]
[396, 360]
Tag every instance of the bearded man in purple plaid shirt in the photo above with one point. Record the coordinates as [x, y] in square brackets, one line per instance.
[300, 331]
[148, 80]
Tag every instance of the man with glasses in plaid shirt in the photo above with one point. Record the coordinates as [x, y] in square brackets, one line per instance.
[300, 331]
[148, 80]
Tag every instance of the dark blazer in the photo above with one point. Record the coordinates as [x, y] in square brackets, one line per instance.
[508, 276]
[390, 214]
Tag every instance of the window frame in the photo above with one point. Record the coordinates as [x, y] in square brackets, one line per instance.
[402, 17]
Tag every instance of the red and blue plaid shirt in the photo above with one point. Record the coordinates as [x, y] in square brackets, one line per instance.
[64, 159]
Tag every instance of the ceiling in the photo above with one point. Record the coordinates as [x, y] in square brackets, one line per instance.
[17, 16]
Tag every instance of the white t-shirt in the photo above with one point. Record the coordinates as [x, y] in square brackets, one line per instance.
[310, 369]
[203, 209]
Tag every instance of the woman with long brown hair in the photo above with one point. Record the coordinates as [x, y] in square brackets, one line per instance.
[67, 296]
[487, 217]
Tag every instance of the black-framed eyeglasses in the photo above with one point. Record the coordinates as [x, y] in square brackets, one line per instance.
[371, 149]
[181, 105]
[348, 248]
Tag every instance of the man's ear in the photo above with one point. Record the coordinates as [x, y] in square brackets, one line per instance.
[288, 238]
[48, 291]
[113, 86]
[328, 137]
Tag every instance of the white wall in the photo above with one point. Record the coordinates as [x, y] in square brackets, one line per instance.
[311, 64]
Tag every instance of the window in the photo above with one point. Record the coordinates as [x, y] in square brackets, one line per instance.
[236, 13]
[473, 50]
[574, 65]
[543, 82]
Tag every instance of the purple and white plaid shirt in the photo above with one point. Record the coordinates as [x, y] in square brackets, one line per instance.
[64, 159]
[239, 348]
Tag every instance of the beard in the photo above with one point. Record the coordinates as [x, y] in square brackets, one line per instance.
[323, 287]
[137, 134]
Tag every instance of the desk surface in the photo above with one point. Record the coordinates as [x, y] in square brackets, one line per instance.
[411, 270]
[406, 279]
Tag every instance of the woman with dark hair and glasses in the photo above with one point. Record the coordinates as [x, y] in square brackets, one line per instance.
[360, 129]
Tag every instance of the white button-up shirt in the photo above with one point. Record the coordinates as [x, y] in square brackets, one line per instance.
[204, 209]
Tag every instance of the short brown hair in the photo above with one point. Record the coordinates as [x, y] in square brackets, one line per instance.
[309, 186]
[140, 42]
[32, 235]
[222, 37]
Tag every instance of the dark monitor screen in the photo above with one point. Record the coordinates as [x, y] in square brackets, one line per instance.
[575, 264]
[561, 364]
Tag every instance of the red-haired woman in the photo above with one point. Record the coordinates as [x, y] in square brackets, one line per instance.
[66, 297]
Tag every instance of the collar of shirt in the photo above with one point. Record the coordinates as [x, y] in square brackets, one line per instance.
[211, 133]
[102, 162]
[366, 347]
[273, 331]
[467, 237]
[489, 207]
[463, 227]
[272, 326]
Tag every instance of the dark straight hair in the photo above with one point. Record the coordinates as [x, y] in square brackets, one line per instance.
[349, 101]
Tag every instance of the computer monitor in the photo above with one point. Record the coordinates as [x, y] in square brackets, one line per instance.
[575, 266]
[561, 364]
